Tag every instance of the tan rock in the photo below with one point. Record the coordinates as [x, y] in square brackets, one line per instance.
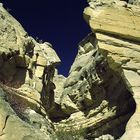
[116, 25]
[132, 78]
[22, 76]
[10, 123]
[110, 20]
[39, 71]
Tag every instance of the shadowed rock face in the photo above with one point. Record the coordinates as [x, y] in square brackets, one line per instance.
[116, 25]
[100, 97]
[95, 96]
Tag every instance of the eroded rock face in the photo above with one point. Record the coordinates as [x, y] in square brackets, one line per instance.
[23, 61]
[116, 25]
[100, 97]
[95, 96]
[101, 93]
[135, 2]
[12, 127]
[26, 75]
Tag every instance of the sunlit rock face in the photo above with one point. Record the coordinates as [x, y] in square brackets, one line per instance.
[102, 91]
[100, 97]
[116, 25]
[95, 96]
[24, 76]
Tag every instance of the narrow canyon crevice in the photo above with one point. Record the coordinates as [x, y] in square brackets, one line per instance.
[96, 91]
[97, 99]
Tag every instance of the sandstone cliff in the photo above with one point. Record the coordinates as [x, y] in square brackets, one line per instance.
[23, 75]
[116, 24]
[102, 91]
[100, 97]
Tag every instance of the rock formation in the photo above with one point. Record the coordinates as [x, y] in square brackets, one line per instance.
[100, 97]
[23, 64]
[116, 25]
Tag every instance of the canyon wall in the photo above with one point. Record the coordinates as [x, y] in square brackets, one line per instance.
[100, 97]
[116, 25]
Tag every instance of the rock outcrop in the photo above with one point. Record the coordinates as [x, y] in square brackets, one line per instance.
[31, 126]
[100, 97]
[102, 91]
[95, 96]
[26, 71]
[116, 25]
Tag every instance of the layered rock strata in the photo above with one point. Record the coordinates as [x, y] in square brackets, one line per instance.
[100, 97]
[26, 75]
[116, 25]
[95, 96]
[102, 91]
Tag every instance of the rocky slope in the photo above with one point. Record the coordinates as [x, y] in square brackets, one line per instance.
[100, 97]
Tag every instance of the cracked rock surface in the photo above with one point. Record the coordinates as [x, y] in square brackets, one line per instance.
[100, 97]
